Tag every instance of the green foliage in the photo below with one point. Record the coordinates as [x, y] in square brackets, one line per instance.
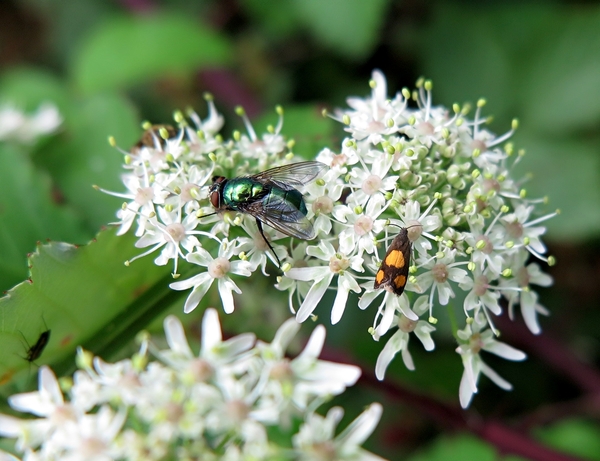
[28, 214]
[45, 189]
[306, 125]
[538, 62]
[85, 296]
[83, 157]
[350, 27]
[578, 437]
[458, 448]
[127, 50]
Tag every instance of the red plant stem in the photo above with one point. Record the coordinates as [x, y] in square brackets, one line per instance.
[552, 352]
[505, 439]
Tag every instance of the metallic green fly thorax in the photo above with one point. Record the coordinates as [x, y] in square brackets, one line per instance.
[240, 191]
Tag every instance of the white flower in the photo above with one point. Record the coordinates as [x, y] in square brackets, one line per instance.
[171, 233]
[16, 125]
[368, 183]
[300, 380]
[361, 228]
[473, 340]
[399, 341]
[214, 352]
[218, 268]
[317, 440]
[517, 289]
[92, 438]
[440, 271]
[322, 277]
[374, 117]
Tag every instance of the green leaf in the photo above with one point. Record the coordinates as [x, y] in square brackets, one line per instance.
[561, 91]
[468, 65]
[84, 295]
[28, 88]
[350, 27]
[82, 157]
[568, 173]
[306, 125]
[458, 448]
[277, 17]
[28, 214]
[124, 51]
[577, 437]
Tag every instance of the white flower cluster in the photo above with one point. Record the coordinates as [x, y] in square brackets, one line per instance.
[220, 405]
[405, 164]
[15, 125]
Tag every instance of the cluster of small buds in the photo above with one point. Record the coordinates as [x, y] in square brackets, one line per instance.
[15, 125]
[404, 164]
[217, 405]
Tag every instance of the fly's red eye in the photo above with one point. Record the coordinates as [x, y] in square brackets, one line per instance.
[214, 198]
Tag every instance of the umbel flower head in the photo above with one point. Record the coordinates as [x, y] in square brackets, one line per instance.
[471, 227]
[218, 404]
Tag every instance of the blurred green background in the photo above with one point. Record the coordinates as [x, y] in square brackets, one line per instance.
[109, 65]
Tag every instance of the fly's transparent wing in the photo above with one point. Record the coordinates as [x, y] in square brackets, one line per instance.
[282, 216]
[291, 176]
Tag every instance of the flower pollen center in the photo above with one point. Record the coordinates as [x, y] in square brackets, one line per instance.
[282, 371]
[176, 232]
[523, 277]
[481, 285]
[440, 272]
[406, 325]
[514, 229]
[475, 343]
[323, 205]
[372, 184]
[485, 245]
[201, 370]
[338, 264]
[425, 128]
[144, 195]
[339, 160]
[219, 268]
[237, 410]
[363, 225]
[479, 145]
[188, 191]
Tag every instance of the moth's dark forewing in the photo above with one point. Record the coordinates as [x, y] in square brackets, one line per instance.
[282, 216]
[291, 176]
[390, 274]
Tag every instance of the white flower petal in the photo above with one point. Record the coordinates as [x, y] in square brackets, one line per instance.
[495, 377]
[314, 346]
[313, 297]
[362, 427]
[211, 330]
[175, 336]
[505, 351]
[389, 351]
[407, 359]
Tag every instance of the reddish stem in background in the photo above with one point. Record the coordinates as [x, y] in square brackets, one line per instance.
[138, 6]
[227, 89]
[505, 439]
[552, 352]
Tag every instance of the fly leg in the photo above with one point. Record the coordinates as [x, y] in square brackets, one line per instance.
[260, 229]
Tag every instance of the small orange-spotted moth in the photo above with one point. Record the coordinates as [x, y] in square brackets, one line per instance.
[393, 272]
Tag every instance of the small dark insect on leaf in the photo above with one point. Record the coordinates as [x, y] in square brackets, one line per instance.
[35, 351]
